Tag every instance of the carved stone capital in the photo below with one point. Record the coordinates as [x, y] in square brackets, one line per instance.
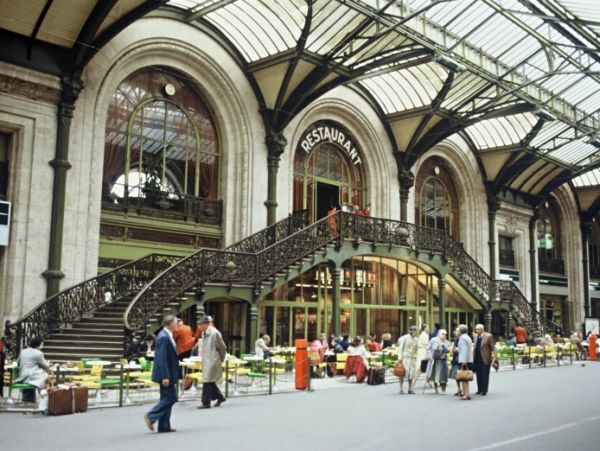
[493, 205]
[276, 143]
[406, 179]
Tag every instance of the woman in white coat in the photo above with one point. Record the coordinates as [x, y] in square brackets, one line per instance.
[33, 367]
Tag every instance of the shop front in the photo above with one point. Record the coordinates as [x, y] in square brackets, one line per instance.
[378, 295]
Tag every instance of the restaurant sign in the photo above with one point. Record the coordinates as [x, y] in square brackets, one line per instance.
[331, 134]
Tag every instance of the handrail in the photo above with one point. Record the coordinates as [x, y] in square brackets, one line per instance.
[72, 303]
[254, 266]
[235, 262]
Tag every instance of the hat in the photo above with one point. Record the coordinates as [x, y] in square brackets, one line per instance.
[205, 319]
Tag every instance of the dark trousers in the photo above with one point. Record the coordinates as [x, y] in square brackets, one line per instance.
[483, 376]
[161, 412]
[210, 392]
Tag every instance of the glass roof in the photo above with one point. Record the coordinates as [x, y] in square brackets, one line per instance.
[538, 52]
[590, 178]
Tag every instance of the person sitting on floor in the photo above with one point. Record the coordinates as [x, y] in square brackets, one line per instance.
[33, 368]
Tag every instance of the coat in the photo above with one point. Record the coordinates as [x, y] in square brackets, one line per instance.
[166, 362]
[33, 368]
[422, 345]
[213, 354]
[488, 348]
[184, 338]
[465, 349]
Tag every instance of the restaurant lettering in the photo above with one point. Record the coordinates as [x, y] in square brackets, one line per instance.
[332, 135]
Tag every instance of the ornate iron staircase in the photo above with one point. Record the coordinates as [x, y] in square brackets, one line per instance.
[255, 267]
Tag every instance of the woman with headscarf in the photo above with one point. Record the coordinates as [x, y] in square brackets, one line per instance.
[437, 369]
[407, 356]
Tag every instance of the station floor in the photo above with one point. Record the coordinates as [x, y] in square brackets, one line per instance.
[539, 409]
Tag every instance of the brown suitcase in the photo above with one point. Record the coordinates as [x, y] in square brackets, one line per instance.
[63, 401]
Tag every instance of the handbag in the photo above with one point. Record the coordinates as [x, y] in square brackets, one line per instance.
[399, 370]
[464, 375]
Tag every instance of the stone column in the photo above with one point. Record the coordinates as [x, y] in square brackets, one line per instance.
[442, 301]
[275, 145]
[586, 230]
[493, 207]
[407, 181]
[335, 305]
[71, 87]
[533, 258]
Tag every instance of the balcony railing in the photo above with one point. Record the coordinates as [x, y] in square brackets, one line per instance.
[164, 204]
[507, 258]
[551, 265]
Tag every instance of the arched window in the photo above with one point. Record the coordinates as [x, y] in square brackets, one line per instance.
[549, 232]
[160, 140]
[437, 201]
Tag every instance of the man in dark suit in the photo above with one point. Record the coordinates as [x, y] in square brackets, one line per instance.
[165, 372]
[483, 356]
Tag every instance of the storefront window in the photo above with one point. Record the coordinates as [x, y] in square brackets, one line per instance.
[378, 295]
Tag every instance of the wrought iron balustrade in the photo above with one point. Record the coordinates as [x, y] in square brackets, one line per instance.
[237, 263]
[551, 265]
[163, 204]
[72, 303]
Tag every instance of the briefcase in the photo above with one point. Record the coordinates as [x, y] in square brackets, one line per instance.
[65, 400]
[376, 376]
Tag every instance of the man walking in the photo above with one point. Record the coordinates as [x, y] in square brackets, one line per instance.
[213, 354]
[165, 372]
[483, 356]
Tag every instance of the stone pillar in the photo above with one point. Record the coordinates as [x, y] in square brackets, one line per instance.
[586, 230]
[407, 181]
[335, 305]
[275, 145]
[71, 87]
[533, 258]
[493, 207]
[442, 302]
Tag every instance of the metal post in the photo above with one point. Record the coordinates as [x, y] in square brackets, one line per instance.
[585, 261]
[442, 301]
[514, 360]
[227, 378]
[493, 207]
[270, 375]
[407, 181]
[276, 143]
[529, 357]
[544, 353]
[120, 386]
[335, 306]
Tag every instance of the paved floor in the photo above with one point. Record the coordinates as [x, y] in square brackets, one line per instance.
[539, 409]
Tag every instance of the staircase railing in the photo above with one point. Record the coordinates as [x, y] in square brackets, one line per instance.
[234, 263]
[252, 267]
[72, 303]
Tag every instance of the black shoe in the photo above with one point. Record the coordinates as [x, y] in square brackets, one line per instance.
[484, 394]
[219, 402]
[478, 393]
[203, 407]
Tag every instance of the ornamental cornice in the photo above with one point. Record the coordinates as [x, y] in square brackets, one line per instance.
[28, 89]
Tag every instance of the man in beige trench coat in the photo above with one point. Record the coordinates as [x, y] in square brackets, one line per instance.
[213, 354]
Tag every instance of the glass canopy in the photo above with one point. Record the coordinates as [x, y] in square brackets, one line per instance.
[478, 59]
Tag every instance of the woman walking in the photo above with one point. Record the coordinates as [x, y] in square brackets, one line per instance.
[465, 357]
[437, 369]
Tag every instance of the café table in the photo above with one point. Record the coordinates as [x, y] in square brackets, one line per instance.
[127, 368]
[64, 369]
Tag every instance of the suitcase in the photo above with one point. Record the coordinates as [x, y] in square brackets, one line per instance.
[62, 401]
[376, 376]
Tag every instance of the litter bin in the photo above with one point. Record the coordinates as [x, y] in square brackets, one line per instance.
[301, 364]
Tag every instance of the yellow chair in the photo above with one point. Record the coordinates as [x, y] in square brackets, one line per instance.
[340, 361]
